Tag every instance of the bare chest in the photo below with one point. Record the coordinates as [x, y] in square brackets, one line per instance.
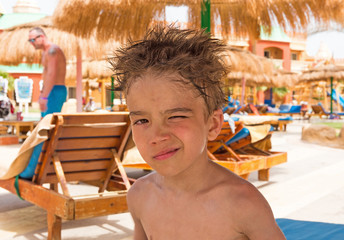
[189, 218]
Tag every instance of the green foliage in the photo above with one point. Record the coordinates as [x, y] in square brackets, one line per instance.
[281, 92]
[9, 78]
[336, 125]
[262, 88]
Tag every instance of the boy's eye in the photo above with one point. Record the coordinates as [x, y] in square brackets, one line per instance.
[140, 121]
[178, 116]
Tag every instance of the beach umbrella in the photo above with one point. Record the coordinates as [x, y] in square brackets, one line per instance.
[324, 72]
[244, 64]
[283, 78]
[247, 69]
[15, 49]
[118, 19]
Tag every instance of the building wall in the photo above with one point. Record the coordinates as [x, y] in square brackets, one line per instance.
[261, 45]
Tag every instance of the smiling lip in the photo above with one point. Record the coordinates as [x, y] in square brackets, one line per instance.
[165, 154]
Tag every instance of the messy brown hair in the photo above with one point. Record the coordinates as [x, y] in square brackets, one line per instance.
[193, 54]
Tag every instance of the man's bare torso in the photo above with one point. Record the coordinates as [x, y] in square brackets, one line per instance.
[55, 51]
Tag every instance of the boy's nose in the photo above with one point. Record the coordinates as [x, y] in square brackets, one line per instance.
[159, 134]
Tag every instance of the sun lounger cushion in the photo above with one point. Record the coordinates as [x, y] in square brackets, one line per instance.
[292, 109]
[240, 135]
[284, 108]
[305, 230]
[288, 118]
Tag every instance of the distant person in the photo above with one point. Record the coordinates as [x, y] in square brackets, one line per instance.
[171, 80]
[54, 91]
[90, 106]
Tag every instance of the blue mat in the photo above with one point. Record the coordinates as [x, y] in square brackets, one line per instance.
[306, 230]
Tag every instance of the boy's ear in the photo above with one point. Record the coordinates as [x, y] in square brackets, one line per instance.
[216, 121]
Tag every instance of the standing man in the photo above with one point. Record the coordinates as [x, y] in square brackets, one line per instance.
[54, 91]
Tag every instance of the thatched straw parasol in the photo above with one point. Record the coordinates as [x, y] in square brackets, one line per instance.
[15, 49]
[246, 65]
[283, 78]
[118, 19]
[323, 73]
[95, 69]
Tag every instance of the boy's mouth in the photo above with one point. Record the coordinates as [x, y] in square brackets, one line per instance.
[165, 154]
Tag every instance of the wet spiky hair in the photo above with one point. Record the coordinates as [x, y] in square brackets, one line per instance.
[192, 54]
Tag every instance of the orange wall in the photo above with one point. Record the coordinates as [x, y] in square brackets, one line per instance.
[284, 46]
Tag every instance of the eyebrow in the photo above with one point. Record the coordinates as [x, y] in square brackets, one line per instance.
[136, 113]
[182, 109]
[169, 111]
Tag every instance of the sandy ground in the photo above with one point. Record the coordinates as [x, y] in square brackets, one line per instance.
[310, 186]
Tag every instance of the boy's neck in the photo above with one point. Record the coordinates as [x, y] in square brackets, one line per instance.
[193, 180]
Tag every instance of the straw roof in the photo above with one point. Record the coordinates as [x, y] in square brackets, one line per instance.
[323, 73]
[90, 70]
[118, 19]
[283, 78]
[15, 49]
[255, 69]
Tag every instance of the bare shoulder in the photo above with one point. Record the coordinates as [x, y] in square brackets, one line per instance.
[54, 50]
[249, 208]
[139, 189]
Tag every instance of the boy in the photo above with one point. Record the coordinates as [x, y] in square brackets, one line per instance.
[172, 84]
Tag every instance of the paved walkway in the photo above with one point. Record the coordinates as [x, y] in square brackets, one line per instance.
[310, 186]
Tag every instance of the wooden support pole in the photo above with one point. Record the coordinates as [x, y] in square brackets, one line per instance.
[103, 94]
[78, 80]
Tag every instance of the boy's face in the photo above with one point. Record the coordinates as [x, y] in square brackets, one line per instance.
[169, 123]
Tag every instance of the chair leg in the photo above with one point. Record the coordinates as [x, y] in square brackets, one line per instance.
[264, 174]
[54, 226]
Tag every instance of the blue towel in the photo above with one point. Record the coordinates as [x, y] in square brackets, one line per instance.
[56, 99]
[306, 230]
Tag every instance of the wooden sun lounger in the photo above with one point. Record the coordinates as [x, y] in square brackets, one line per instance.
[243, 157]
[318, 110]
[81, 147]
[219, 152]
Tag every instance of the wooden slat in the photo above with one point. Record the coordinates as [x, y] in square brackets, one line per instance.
[144, 166]
[95, 118]
[50, 200]
[84, 154]
[98, 206]
[121, 169]
[245, 166]
[87, 165]
[51, 146]
[276, 158]
[84, 143]
[79, 176]
[91, 132]
[60, 175]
